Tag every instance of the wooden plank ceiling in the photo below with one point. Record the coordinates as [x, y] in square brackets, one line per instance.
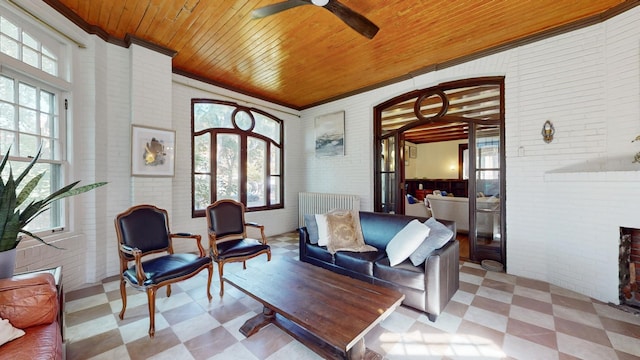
[306, 56]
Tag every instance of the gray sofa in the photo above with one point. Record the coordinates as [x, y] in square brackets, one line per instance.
[427, 287]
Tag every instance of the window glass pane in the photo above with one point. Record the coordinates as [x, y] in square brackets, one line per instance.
[46, 101]
[7, 92]
[30, 57]
[207, 116]
[243, 120]
[267, 127]
[488, 182]
[202, 154]
[275, 190]
[57, 150]
[49, 66]
[46, 148]
[256, 163]
[6, 140]
[29, 41]
[202, 191]
[274, 163]
[9, 29]
[7, 117]
[46, 220]
[27, 95]
[228, 167]
[45, 124]
[48, 53]
[28, 145]
[9, 46]
[28, 121]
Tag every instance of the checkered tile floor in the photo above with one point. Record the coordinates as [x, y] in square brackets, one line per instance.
[492, 316]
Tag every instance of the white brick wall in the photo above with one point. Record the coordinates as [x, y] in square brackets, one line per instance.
[565, 200]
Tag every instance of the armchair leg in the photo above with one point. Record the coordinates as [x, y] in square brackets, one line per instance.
[210, 270]
[244, 265]
[151, 298]
[123, 295]
[168, 290]
[220, 267]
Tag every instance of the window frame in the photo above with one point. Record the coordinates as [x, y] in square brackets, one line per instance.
[21, 72]
[244, 136]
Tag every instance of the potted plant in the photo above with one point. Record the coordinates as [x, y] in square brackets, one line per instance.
[16, 213]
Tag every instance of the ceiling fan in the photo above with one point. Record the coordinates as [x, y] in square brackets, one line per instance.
[356, 21]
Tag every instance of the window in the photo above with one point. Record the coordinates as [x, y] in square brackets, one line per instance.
[237, 154]
[30, 112]
[21, 45]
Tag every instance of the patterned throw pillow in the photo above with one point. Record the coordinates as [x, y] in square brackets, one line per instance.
[345, 232]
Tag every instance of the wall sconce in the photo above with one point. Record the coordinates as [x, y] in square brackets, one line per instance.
[547, 131]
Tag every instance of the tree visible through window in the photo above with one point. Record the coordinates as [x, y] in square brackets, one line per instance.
[237, 154]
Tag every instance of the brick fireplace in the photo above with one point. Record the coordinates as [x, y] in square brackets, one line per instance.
[629, 260]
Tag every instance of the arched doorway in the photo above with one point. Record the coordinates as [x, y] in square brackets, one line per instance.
[416, 128]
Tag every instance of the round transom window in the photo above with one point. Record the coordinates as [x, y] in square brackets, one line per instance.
[243, 120]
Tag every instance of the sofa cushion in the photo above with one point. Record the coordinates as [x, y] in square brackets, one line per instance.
[320, 253]
[404, 274]
[406, 241]
[29, 301]
[438, 237]
[39, 342]
[312, 227]
[360, 262]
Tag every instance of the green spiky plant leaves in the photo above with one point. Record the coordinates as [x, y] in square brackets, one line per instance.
[13, 216]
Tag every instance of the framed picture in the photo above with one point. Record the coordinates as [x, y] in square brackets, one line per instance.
[152, 151]
[329, 130]
[413, 152]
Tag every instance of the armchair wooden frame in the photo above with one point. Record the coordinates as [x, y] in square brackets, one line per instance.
[146, 280]
[241, 251]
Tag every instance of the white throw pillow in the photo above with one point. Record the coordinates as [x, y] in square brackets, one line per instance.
[406, 241]
[8, 332]
[323, 229]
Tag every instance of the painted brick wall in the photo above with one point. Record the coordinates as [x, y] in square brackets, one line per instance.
[565, 200]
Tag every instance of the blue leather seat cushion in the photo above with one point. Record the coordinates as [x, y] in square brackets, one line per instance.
[240, 247]
[167, 267]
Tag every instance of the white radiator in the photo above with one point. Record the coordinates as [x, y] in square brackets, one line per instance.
[320, 203]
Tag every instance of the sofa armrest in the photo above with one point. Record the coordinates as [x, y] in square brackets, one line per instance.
[29, 300]
[442, 277]
[303, 239]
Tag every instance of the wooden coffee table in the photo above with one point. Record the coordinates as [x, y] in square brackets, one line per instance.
[328, 312]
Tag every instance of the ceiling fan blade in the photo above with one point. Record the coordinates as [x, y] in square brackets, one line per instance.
[356, 21]
[277, 7]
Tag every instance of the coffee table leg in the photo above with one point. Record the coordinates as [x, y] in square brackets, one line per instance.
[357, 351]
[257, 322]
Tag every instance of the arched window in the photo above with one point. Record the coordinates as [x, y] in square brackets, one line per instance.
[238, 154]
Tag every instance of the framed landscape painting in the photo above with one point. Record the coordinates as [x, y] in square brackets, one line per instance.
[152, 151]
[329, 131]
